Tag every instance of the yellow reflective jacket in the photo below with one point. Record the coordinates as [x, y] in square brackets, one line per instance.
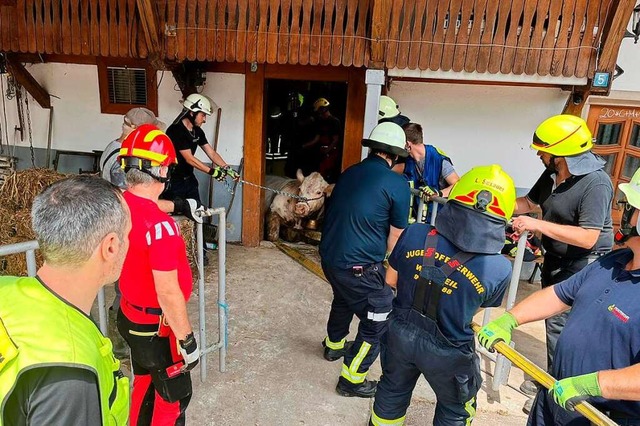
[38, 329]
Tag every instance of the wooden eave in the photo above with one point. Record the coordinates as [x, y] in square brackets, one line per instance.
[521, 37]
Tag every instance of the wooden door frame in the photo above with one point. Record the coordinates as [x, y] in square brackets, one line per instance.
[254, 129]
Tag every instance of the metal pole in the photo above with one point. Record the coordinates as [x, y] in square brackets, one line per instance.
[434, 213]
[16, 248]
[102, 312]
[48, 158]
[503, 365]
[201, 302]
[32, 268]
[222, 281]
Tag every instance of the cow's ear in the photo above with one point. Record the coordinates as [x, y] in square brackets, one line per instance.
[299, 175]
[329, 189]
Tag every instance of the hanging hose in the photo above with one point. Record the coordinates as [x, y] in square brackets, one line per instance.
[546, 380]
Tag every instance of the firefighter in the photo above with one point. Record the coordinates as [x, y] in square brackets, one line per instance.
[427, 167]
[187, 135]
[596, 356]
[575, 194]
[443, 275]
[56, 367]
[389, 111]
[156, 283]
[364, 217]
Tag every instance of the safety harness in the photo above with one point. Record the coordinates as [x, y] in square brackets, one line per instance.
[432, 278]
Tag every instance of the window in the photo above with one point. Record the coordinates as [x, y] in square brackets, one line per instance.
[617, 140]
[125, 84]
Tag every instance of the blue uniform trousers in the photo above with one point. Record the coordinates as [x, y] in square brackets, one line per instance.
[453, 372]
[370, 299]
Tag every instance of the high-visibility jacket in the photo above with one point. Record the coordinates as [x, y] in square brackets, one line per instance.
[38, 329]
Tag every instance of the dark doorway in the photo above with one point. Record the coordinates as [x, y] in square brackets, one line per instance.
[302, 132]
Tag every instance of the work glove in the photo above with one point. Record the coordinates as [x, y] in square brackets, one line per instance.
[426, 192]
[497, 330]
[190, 352]
[189, 207]
[218, 173]
[569, 392]
[232, 173]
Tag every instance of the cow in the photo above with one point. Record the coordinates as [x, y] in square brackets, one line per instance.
[285, 210]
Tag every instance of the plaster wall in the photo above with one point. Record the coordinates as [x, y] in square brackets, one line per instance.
[481, 124]
[79, 125]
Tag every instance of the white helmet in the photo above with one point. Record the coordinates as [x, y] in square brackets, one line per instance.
[387, 137]
[388, 108]
[199, 103]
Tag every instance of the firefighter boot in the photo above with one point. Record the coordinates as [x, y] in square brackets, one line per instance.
[120, 348]
[366, 389]
[335, 354]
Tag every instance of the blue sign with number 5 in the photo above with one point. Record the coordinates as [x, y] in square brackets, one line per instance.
[601, 79]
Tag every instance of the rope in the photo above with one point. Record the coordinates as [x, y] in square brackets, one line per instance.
[266, 188]
[383, 40]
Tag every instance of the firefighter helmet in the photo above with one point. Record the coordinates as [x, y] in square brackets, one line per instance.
[563, 136]
[388, 108]
[320, 103]
[389, 138]
[487, 189]
[631, 191]
[199, 103]
[149, 144]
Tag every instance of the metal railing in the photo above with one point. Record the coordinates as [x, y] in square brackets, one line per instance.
[502, 365]
[30, 247]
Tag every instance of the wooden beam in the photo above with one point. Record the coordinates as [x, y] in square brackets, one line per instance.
[25, 79]
[148, 20]
[576, 101]
[614, 28]
[379, 32]
[354, 118]
[306, 72]
[254, 154]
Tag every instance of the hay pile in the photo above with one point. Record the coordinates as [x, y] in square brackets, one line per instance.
[16, 196]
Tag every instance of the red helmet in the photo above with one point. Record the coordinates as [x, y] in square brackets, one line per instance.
[147, 142]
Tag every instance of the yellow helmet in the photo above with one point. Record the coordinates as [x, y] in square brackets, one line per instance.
[388, 108]
[320, 103]
[563, 136]
[632, 190]
[487, 189]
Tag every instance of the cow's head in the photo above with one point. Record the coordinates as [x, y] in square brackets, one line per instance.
[314, 189]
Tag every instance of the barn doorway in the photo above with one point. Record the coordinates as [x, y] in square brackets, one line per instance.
[304, 127]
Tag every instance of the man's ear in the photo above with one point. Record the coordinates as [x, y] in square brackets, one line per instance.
[110, 246]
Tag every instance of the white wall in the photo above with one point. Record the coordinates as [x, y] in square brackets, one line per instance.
[629, 61]
[479, 125]
[79, 125]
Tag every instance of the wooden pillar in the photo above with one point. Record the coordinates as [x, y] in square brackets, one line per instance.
[354, 117]
[254, 152]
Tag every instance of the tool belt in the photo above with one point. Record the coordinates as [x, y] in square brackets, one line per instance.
[150, 311]
[432, 278]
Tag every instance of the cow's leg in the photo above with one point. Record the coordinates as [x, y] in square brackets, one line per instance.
[273, 226]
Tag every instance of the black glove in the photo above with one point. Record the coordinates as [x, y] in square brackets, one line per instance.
[190, 352]
[218, 173]
[187, 207]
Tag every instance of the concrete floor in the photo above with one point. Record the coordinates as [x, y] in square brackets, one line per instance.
[276, 374]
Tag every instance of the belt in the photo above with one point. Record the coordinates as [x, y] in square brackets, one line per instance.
[150, 311]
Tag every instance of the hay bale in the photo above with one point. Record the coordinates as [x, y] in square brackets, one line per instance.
[20, 188]
[22, 225]
[17, 194]
[188, 231]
